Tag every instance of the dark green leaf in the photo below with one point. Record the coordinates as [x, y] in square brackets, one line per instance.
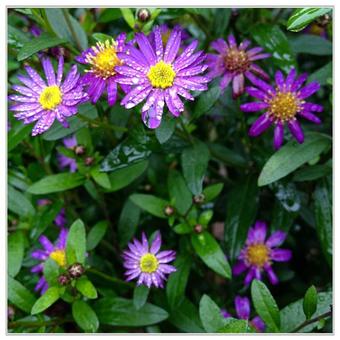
[234, 326]
[291, 156]
[76, 243]
[227, 156]
[210, 315]
[206, 101]
[265, 305]
[17, 134]
[122, 312]
[101, 178]
[84, 316]
[56, 183]
[16, 248]
[86, 287]
[211, 253]
[20, 296]
[310, 302]
[311, 44]
[140, 295]
[46, 300]
[313, 172]
[165, 130]
[221, 21]
[96, 234]
[109, 14]
[51, 272]
[323, 74]
[212, 191]
[152, 204]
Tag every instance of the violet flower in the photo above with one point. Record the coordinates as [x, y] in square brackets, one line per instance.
[148, 263]
[64, 161]
[46, 102]
[283, 104]
[159, 75]
[242, 307]
[258, 254]
[234, 63]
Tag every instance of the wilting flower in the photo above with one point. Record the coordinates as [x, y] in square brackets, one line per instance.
[55, 252]
[258, 254]
[233, 63]
[64, 161]
[282, 104]
[46, 102]
[148, 263]
[158, 75]
[103, 60]
[242, 307]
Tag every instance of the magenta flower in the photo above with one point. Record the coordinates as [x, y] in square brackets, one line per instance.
[159, 75]
[258, 254]
[233, 63]
[103, 60]
[242, 307]
[148, 263]
[55, 252]
[282, 104]
[64, 161]
[46, 102]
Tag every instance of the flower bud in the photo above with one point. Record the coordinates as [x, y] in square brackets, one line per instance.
[79, 150]
[169, 210]
[198, 228]
[88, 161]
[143, 14]
[64, 279]
[76, 270]
[198, 199]
[10, 312]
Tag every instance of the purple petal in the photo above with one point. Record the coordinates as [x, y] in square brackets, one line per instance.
[254, 92]
[35, 77]
[258, 324]
[96, 90]
[38, 268]
[158, 43]
[242, 306]
[166, 268]
[44, 123]
[172, 46]
[278, 135]
[156, 244]
[225, 313]
[279, 79]
[259, 56]
[225, 80]
[290, 78]
[219, 45]
[281, 255]
[257, 69]
[111, 91]
[147, 49]
[238, 85]
[49, 72]
[257, 234]
[271, 275]
[61, 243]
[260, 125]
[253, 107]
[250, 276]
[239, 267]
[308, 90]
[46, 243]
[310, 116]
[231, 41]
[39, 255]
[260, 83]
[311, 107]
[299, 81]
[276, 238]
[295, 128]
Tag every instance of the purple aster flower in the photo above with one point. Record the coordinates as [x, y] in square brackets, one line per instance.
[233, 63]
[148, 263]
[258, 254]
[166, 32]
[55, 252]
[282, 104]
[103, 60]
[159, 75]
[242, 307]
[46, 102]
[64, 161]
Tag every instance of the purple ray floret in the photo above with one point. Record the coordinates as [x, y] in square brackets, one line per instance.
[68, 162]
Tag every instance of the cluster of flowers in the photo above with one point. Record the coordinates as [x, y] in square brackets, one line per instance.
[158, 69]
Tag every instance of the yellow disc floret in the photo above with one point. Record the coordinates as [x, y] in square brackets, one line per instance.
[161, 75]
[258, 255]
[148, 263]
[50, 97]
[284, 106]
[104, 59]
[59, 256]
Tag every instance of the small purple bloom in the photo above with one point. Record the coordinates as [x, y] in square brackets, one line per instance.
[60, 220]
[148, 263]
[103, 60]
[64, 161]
[55, 252]
[242, 307]
[45, 102]
[282, 104]
[316, 29]
[258, 254]
[160, 74]
[233, 63]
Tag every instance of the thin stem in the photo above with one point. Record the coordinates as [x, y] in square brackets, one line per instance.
[69, 24]
[109, 278]
[308, 322]
[187, 133]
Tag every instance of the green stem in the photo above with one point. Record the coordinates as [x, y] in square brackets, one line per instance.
[69, 24]
[109, 278]
[185, 130]
[309, 322]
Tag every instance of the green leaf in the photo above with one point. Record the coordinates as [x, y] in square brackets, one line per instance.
[323, 74]
[226, 155]
[86, 287]
[242, 203]
[128, 17]
[274, 41]
[186, 318]
[37, 44]
[17, 134]
[96, 234]
[76, 243]
[194, 163]
[323, 218]
[66, 26]
[140, 296]
[303, 16]
[51, 272]
[165, 130]
[311, 44]
[122, 312]
[56, 183]
[311, 173]
[211, 253]
[16, 248]
[100, 177]
[84, 316]
[20, 296]
[101, 36]
[179, 192]
[177, 281]
[46, 300]
[109, 14]
[310, 302]
[293, 315]
[152, 204]
[212, 191]
[265, 305]
[291, 156]
[221, 21]
[210, 315]
[206, 101]
[183, 228]
[205, 217]
[234, 326]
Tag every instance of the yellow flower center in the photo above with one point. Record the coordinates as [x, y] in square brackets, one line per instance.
[161, 75]
[236, 60]
[148, 263]
[50, 97]
[258, 255]
[59, 256]
[284, 106]
[104, 60]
